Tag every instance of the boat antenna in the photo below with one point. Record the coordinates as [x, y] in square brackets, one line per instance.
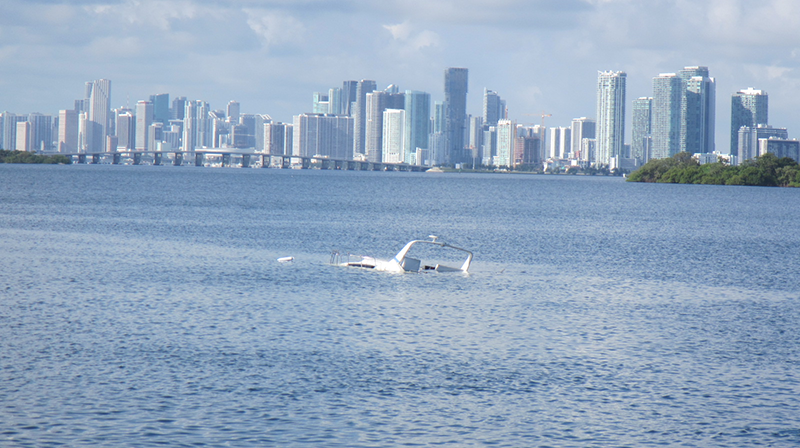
[433, 238]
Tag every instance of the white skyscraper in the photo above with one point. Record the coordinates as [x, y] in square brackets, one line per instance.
[144, 117]
[610, 115]
[393, 135]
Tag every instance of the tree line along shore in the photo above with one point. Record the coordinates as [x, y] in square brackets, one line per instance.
[766, 171]
[7, 156]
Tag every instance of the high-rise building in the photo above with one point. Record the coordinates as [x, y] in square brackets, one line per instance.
[349, 95]
[320, 103]
[160, 107]
[144, 118]
[178, 111]
[475, 143]
[41, 132]
[749, 108]
[560, 142]
[456, 82]
[335, 101]
[666, 116]
[610, 116]
[582, 128]
[641, 139]
[126, 130]
[697, 110]
[10, 121]
[67, 131]
[24, 138]
[359, 114]
[494, 108]
[100, 106]
[394, 122]
[233, 111]
[377, 102]
[324, 135]
[506, 141]
[418, 122]
[749, 138]
[275, 138]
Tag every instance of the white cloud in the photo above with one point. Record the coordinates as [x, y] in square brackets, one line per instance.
[275, 28]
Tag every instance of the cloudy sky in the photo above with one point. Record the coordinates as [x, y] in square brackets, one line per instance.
[270, 55]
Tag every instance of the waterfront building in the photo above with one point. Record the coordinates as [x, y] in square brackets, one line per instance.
[24, 138]
[160, 107]
[126, 130]
[260, 121]
[178, 110]
[560, 142]
[456, 81]
[494, 108]
[581, 128]
[610, 115]
[41, 132]
[417, 125]
[749, 138]
[475, 145]
[377, 102]
[67, 131]
[780, 147]
[320, 104]
[641, 128]
[233, 111]
[100, 106]
[666, 116]
[275, 138]
[393, 150]
[155, 135]
[144, 118]
[506, 143]
[349, 95]
[363, 87]
[324, 135]
[749, 108]
[697, 110]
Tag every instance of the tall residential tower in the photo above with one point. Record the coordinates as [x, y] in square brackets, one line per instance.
[610, 116]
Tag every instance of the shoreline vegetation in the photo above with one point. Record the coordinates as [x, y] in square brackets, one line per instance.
[764, 171]
[7, 156]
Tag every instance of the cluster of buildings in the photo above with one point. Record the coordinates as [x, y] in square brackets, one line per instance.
[357, 121]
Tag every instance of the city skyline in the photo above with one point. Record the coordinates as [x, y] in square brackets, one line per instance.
[538, 55]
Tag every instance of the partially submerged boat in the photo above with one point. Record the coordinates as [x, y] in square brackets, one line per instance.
[410, 258]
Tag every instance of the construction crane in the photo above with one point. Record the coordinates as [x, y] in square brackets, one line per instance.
[542, 115]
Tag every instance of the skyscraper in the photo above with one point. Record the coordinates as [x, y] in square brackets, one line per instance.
[160, 107]
[582, 128]
[394, 121]
[100, 106]
[377, 102]
[126, 130]
[359, 114]
[144, 118]
[494, 108]
[323, 134]
[67, 131]
[349, 95]
[456, 81]
[418, 121]
[697, 110]
[749, 108]
[666, 116]
[610, 116]
[233, 111]
[641, 139]
[506, 140]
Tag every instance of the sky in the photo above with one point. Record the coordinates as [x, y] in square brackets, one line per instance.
[541, 56]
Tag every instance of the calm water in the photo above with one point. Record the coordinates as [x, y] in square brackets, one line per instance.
[144, 306]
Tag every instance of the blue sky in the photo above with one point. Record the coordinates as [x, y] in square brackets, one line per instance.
[540, 55]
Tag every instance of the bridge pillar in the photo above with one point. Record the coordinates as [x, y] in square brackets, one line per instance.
[246, 161]
[178, 160]
[306, 163]
[286, 162]
[157, 158]
[265, 161]
[198, 159]
[137, 158]
[81, 158]
[226, 160]
[95, 159]
[115, 158]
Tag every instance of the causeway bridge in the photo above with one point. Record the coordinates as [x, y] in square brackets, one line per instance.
[221, 158]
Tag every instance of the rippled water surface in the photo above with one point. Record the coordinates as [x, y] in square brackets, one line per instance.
[144, 306]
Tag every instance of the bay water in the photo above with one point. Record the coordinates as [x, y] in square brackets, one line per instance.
[145, 306]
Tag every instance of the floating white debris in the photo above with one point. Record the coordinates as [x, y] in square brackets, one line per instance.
[285, 259]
